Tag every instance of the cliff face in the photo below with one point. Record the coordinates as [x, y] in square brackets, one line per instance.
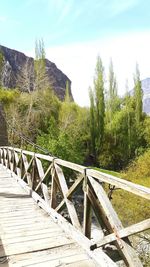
[146, 95]
[18, 69]
[145, 84]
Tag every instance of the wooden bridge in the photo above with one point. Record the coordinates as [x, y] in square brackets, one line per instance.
[46, 220]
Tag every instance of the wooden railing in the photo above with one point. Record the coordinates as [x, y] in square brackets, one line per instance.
[44, 178]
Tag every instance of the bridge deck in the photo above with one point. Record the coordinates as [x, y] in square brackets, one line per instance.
[28, 236]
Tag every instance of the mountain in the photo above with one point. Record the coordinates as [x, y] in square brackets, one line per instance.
[17, 68]
[146, 95]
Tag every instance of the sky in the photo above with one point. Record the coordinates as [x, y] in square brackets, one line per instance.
[75, 32]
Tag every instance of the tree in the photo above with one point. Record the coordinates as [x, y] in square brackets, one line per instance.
[97, 108]
[25, 77]
[138, 94]
[92, 122]
[113, 100]
[41, 80]
[100, 104]
[67, 95]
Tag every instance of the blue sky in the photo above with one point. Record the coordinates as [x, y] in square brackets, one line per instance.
[76, 31]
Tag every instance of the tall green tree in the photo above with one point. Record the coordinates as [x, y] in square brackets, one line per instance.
[99, 103]
[97, 108]
[138, 94]
[112, 98]
[67, 95]
[92, 122]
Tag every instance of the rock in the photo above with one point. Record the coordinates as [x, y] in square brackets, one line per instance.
[146, 95]
[17, 68]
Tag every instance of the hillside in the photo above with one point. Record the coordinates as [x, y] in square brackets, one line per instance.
[18, 67]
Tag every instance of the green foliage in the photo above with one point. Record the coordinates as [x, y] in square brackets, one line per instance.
[138, 96]
[139, 168]
[113, 102]
[146, 132]
[97, 109]
[8, 96]
[67, 137]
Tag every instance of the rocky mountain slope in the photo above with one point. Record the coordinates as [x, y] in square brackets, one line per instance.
[18, 69]
[146, 95]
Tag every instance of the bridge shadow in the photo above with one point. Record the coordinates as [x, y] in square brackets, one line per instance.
[4, 259]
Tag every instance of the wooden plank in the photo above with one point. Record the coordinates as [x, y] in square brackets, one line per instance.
[47, 256]
[21, 239]
[36, 225]
[114, 224]
[69, 204]
[53, 201]
[34, 245]
[42, 176]
[130, 230]
[29, 232]
[87, 217]
[80, 260]
[26, 221]
[136, 189]
[45, 175]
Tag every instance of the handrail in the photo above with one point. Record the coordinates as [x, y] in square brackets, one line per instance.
[58, 195]
[136, 189]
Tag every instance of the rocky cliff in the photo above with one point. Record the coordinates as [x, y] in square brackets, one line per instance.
[18, 69]
[146, 95]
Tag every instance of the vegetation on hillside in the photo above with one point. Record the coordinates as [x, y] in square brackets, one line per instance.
[109, 134]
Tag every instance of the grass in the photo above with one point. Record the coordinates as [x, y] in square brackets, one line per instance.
[129, 207]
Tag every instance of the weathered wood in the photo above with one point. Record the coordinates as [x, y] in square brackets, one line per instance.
[98, 255]
[121, 183]
[136, 189]
[41, 176]
[53, 202]
[45, 175]
[115, 225]
[71, 190]
[130, 230]
[69, 204]
[87, 216]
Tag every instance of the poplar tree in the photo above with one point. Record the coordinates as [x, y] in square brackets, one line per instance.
[41, 79]
[97, 109]
[67, 95]
[99, 103]
[92, 122]
[138, 94]
[112, 93]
